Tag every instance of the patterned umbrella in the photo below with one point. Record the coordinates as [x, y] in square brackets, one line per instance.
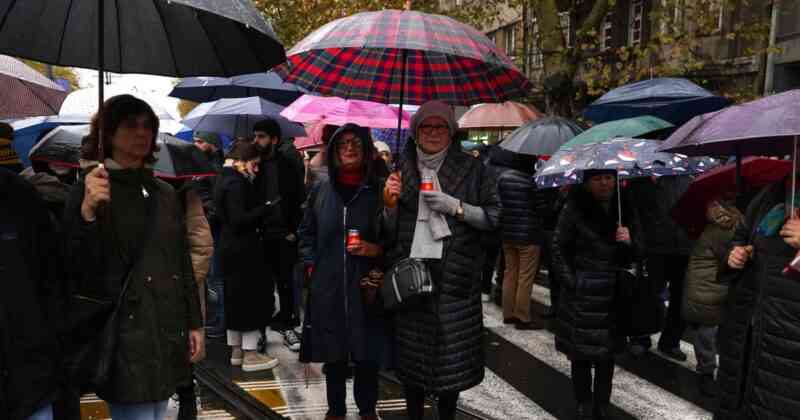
[631, 158]
[26, 93]
[390, 137]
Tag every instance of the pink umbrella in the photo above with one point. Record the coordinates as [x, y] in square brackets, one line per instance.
[338, 111]
[314, 137]
[502, 115]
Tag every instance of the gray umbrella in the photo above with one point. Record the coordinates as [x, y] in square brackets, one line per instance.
[542, 137]
[236, 117]
[165, 37]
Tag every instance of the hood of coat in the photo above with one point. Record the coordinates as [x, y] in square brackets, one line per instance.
[363, 134]
[724, 215]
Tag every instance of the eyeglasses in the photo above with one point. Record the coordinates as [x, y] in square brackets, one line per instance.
[355, 142]
[430, 128]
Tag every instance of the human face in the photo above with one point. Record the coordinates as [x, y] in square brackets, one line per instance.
[601, 186]
[132, 142]
[350, 150]
[433, 135]
[263, 140]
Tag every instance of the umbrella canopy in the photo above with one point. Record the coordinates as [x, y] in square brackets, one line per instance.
[82, 103]
[637, 127]
[390, 137]
[631, 158]
[267, 85]
[176, 159]
[756, 172]
[508, 114]
[314, 137]
[236, 117]
[28, 131]
[338, 111]
[24, 92]
[165, 37]
[760, 127]
[393, 56]
[541, 137]
[673, 99]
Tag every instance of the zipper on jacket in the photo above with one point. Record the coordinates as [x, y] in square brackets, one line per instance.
[344, 280]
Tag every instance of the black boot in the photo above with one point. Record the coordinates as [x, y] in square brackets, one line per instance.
[187, 403]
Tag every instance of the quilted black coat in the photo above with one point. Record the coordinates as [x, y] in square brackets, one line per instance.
[440, 342]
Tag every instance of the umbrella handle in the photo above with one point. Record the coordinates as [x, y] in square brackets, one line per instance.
[794, 178]
[619, 202]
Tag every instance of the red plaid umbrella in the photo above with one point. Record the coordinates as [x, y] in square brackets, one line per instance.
[396, 56]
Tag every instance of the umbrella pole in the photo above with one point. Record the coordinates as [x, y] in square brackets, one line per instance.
[402, 99]
[794, 176]
[619, 202]
[100, 75]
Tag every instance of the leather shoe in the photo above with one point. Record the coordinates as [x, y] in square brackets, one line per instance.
[529, 326]
[674, 353]
[510, 321]
[708, 386]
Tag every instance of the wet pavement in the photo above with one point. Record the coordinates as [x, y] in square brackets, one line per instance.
[526, 378]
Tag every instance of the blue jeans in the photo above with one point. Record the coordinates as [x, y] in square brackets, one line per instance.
[144, 411]
[44, 413]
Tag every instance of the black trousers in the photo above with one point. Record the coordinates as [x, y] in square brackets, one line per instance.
[281, 257]
[492, 251]
[365, 388]
[415, 403]
[582, 381]
[552, 278]
[670, 270]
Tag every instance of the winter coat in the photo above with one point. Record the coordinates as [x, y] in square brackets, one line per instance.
[706, 287]
[248, 283]
[654, 202]
[440, 341]
[339, 326]
[759, 345]
[205, 189]
[291, 188]
[520, 220]
[29, 269]
[200, 242]
[161, 304]
[587, 260]
[51, 189]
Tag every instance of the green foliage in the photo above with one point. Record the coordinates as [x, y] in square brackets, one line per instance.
[58, 72]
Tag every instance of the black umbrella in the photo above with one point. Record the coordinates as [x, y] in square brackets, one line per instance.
[176, 159]
[542, 137]
[165, 37]
[267, 85]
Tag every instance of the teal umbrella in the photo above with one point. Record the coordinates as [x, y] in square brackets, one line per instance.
[637, 127]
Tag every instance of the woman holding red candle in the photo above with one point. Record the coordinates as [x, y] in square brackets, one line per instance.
[340, 246]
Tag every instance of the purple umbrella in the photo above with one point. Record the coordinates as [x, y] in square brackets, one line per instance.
[24, 92]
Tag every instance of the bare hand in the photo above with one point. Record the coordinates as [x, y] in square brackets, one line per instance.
[623, 235]
[365, 249]
[197, 345]
[739, 256]
[791, 233]
[97, 191]
[394, 184]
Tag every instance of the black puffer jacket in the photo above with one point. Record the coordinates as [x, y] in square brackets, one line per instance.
[440, 342]
[521, 218]
[759, 372]
[29, 352]
[587, 258]
[654, 201]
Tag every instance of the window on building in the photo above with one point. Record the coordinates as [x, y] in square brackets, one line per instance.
[607, 32]
[788, 18]
[492, 37]
[635, 22]
[510, 36]
[718, 9]
[672, 19]
[564, 22]
[536, 58]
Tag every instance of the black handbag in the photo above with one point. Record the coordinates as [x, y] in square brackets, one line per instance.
[407, 281]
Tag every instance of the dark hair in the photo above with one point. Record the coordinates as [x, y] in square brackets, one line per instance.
[6, 131]
[327, 132]
[244, 150]
[117, 110]
[268, 126]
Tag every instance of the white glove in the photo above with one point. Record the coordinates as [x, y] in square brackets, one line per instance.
[440, 202]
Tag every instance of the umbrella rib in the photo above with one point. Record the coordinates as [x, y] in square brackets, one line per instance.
[63, 31]
[119, 34]
[39, 97]
[213, 47]
[166, 33]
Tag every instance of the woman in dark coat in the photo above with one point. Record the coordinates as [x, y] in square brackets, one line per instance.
[759, 339]
[440, 340]
[137, 234]
[590, 249]
[344, 322]
[244, 273]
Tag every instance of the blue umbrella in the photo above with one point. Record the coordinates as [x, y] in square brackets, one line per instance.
[266, 85]
[672, 99]
[28, 131]
[236, 117]
[389, 136]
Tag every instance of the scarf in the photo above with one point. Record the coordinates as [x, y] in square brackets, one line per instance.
[351, 177]
[431, 227]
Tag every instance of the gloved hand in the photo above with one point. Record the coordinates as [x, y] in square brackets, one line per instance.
[440, 202]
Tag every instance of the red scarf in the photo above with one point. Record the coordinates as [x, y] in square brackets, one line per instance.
[350, 177]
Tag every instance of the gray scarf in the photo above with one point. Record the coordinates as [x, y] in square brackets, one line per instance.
[431, 226]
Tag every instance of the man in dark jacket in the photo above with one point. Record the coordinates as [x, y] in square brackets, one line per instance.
[521, 228]
[280, 180]
[29, 351]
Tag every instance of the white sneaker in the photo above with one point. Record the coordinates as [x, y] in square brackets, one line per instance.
[255, 361]
[291, 341]
[237, 356]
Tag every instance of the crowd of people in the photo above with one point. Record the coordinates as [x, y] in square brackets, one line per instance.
[116, 277]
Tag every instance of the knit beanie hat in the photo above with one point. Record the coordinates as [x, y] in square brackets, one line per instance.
[434, 109]
[210, 138]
